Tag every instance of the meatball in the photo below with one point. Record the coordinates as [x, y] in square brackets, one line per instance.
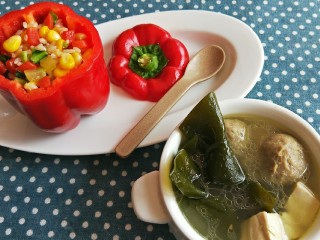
[236, 131]
[286, 157]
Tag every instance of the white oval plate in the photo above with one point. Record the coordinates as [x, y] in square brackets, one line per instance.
[100, 133]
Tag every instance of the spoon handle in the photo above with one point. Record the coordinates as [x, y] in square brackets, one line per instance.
[153, 116]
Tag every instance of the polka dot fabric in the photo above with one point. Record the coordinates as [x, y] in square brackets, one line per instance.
[89, 197]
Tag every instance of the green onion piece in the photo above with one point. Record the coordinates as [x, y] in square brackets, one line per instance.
[65, 44]
[37, 55]
[24, 56]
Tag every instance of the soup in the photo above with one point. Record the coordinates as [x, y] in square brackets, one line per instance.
[230, 211]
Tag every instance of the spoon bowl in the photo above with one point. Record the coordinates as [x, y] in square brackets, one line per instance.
[204, 65]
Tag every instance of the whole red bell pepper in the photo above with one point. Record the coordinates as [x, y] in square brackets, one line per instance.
[82, 91]
[147, 61]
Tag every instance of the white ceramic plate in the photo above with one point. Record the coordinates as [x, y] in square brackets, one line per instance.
[101, 133]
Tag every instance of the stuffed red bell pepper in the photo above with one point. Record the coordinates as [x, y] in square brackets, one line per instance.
[147, 61]
[51, 65]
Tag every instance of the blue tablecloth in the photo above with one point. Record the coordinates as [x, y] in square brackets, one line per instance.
[88, 197]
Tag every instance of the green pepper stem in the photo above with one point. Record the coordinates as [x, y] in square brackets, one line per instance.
[148, 61]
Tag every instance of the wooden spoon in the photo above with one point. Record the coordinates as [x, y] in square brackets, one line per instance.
[205, 64]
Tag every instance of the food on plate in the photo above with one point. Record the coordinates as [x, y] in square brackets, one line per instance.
[147, 61]
[51, 65]
[233, 194]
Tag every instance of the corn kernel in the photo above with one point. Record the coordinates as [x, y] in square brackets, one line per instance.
[60, 44]
[43, 31]
[12, 44]
[66, 61]
[52, 36]
[77, 58]
[59, 72]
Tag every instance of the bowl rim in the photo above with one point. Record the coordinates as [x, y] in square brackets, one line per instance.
[236, 106]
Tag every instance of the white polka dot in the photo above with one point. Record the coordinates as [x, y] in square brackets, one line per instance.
[149, 228]
[43, 222]
[113, 182]
[118, 215]
[64, 223]
[60, 190]
[85, 224]
[101, 193]
[8, 231]
[29, 232]
[106, 226]
[6, 198]
[89, 203]
[76, 213]
[35, 210]
[55, 212]
[47, 201]
[50, 234]
[22, 221]
[72, 235]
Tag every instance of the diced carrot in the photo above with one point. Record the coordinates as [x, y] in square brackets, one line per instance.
[33, 36]
[44, 82]
[29, 17]
[81, 44]
[27, 66]
[48, 21]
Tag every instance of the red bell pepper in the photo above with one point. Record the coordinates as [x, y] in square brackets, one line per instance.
[85, 90]
[147, 61]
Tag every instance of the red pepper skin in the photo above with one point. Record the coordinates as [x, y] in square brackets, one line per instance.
[154, 88]
[83, 91]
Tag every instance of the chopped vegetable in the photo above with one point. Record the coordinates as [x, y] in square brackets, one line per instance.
[185, 175]
[267, 200]
[222, 166]
[12, 44]
[45, 44]
[34, 75]
[37, 55]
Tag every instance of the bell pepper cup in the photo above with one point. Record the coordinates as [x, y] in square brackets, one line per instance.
[55, 105]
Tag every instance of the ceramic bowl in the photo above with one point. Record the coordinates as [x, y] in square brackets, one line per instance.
[161, 183]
